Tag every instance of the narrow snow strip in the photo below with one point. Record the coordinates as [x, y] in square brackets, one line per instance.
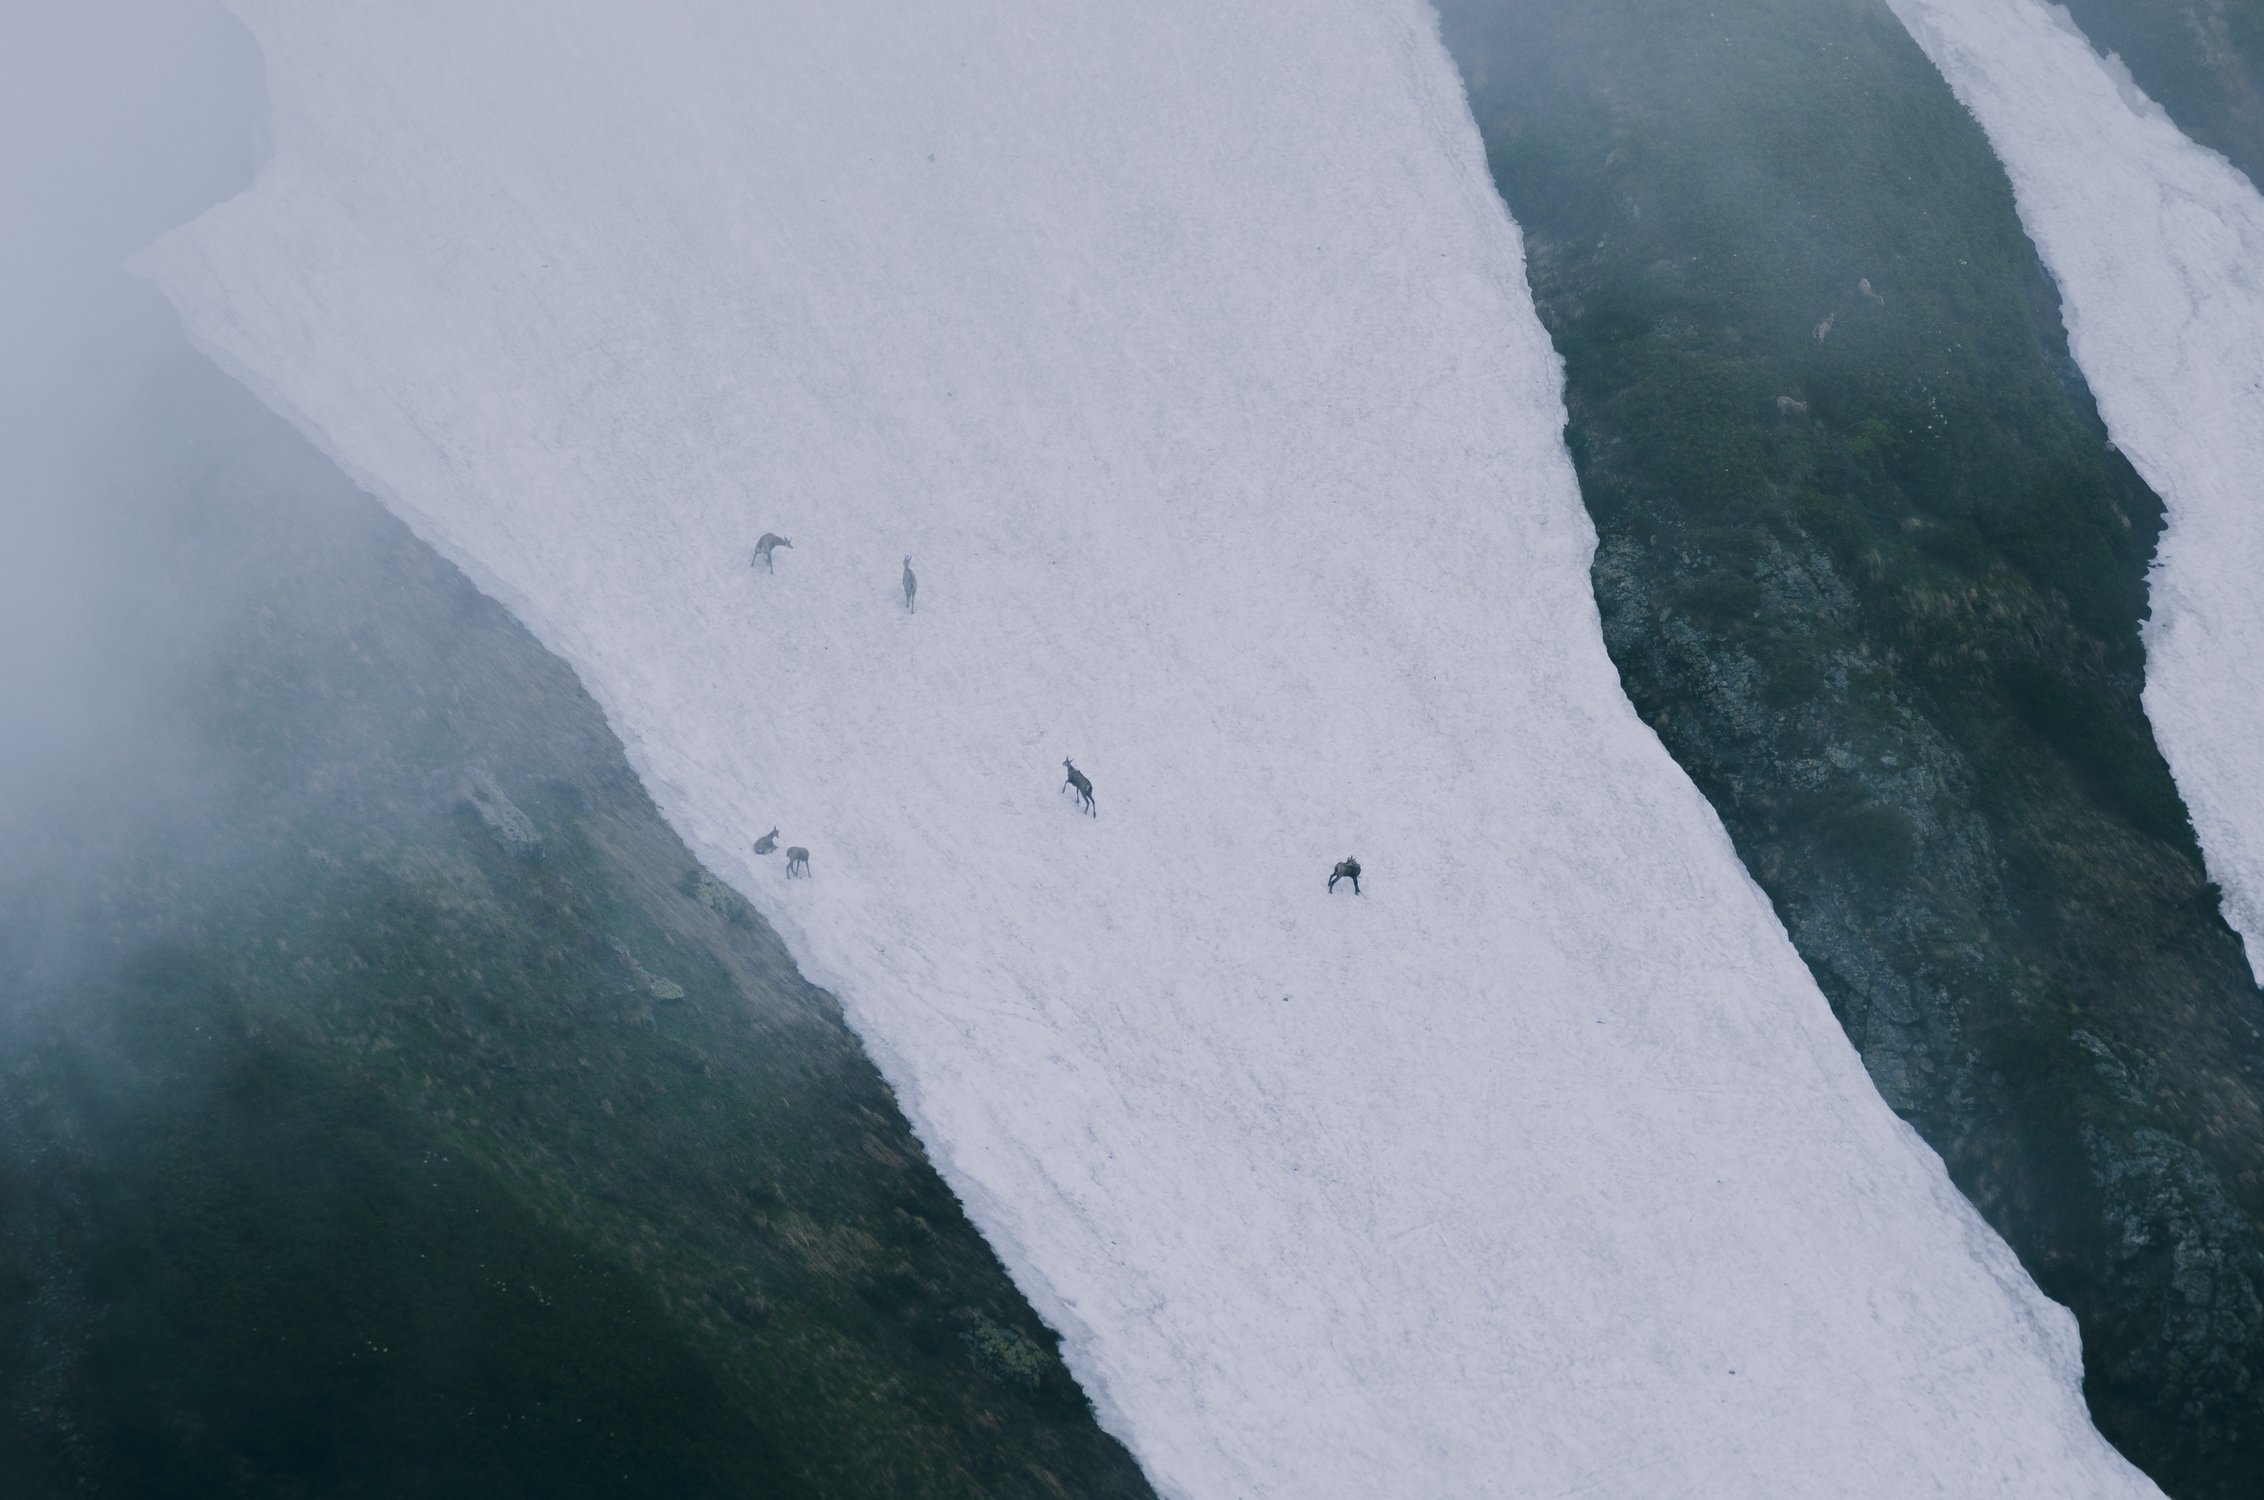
[2158, 248]
[1185, 348]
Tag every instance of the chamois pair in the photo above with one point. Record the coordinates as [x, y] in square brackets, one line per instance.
[1347, 868]
[770, 541]
[797, 857]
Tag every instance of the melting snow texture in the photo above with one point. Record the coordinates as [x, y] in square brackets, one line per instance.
[1186, 350]
[2158, 248]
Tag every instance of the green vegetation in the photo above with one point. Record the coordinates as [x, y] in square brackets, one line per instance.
[389, 1104]
[305, 1287]
[1889, 624]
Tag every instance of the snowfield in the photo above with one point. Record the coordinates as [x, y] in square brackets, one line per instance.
[1186, 349]
[2158, 248]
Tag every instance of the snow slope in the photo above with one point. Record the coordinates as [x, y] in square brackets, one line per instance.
[1186, 349]
[2158, 248]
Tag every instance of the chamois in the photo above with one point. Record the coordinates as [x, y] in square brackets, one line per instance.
[797, 858]
[767, 842]
[1083, 785]
[1788, 407]
[911, 585]
[1863, 285]
[1824, 329]
[765, 545]
[1347, 868]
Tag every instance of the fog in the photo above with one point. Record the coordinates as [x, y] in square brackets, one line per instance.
[118, 119]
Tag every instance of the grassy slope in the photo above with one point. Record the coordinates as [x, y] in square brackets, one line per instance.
[351, 1145]
[1893, 638]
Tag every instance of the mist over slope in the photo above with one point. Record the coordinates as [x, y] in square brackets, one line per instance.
[389, 1106]
[388, 1103]
[1189, 358]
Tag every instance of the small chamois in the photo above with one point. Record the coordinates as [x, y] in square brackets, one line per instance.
[1863, 285]
[911, 585]
[1082, 783]
[1347, 868]
[797, 858]
[1824, 329]
[765, 545]
[1788, 406]
[767, 842]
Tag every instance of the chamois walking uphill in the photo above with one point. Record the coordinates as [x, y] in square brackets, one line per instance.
[1347, 868]
[1082, 783]
[767, 842]
[797, 858]
[911, 585]
[765, 545]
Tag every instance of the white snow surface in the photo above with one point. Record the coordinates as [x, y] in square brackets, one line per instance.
[1186, 349]
[2158, 248]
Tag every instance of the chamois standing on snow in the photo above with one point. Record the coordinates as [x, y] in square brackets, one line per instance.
[1347, 868]
[1083, 785]
[797, 858]
[767, 842]
[911, 585]
[765, 545]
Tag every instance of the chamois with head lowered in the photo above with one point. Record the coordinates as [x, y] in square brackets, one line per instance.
[1082, 783]
[797, 858]
[765, 545]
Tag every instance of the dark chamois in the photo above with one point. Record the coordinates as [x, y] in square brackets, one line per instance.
[1347, 868]
[768, 543]
[767, 842]
[797, 858]
[1084, 787]
[911, 585]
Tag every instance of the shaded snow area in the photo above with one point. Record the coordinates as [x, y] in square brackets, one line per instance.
[2158, 248]
[1186, 350]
